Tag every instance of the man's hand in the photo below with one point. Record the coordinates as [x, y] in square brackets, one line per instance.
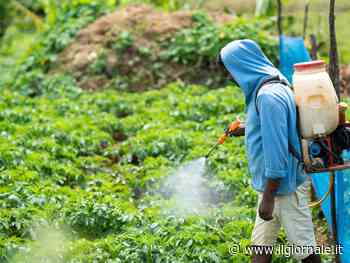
[267, 204]
[240, 131]
[266, 207]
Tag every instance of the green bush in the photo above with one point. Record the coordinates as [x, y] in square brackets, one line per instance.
[204, 41]
[92, 219]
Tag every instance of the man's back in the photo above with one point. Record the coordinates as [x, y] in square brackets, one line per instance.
[268, 133]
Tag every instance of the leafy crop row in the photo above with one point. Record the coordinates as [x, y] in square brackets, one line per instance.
[91, 165]
[81, 174]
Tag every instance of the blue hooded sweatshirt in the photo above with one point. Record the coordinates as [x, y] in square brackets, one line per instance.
[269, 130]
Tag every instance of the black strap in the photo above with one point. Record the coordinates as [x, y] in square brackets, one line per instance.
[272, 80]
[268, 81]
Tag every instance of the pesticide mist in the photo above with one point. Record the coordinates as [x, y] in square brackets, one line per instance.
[49, 245]
[189, 189]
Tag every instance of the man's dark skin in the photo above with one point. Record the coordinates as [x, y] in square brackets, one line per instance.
[267, 203]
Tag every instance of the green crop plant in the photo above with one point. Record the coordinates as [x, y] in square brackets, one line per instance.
[203, 42]
[124, 41]
[62, 165]
[99, 65]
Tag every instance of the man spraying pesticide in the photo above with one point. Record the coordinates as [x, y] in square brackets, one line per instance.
[272, 143]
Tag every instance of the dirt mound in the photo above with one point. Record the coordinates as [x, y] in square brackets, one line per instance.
[123, 48]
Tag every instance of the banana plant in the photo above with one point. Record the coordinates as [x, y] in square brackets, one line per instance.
[23, 10]
[13, 11]
[267, 7]
[5, 18]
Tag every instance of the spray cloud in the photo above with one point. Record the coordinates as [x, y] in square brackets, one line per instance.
[189, 189]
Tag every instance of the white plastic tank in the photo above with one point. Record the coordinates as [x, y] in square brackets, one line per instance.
[316, 99]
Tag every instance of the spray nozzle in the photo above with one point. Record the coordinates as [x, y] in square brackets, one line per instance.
[229, 131]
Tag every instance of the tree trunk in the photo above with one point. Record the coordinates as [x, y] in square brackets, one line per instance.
[306, 19]
[333, 52]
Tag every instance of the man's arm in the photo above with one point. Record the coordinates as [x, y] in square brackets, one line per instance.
[274, 131]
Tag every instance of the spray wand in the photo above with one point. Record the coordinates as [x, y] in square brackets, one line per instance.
[229, 131]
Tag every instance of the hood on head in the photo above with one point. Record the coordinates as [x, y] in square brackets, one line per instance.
[248, 65]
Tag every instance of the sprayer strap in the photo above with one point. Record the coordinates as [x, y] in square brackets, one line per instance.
[278, 80]
[268, 81]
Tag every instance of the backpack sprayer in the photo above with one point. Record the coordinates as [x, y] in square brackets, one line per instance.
[323, 130]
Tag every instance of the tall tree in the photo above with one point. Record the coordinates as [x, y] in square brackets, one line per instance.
[333, 52]
[306, 18]
[334, 74]
[279, 17]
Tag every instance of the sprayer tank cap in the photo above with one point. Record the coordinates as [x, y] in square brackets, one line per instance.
[309, 65]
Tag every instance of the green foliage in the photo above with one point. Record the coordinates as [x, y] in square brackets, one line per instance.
[203, 42]
[169, 5]
[191, 51]
[268, 7]
[92, 219]
[34, 5]
[5, 18]
[99, 65]
[21, 12]
[265, 7]
[124, 41]
[93, 164]
[65, 19]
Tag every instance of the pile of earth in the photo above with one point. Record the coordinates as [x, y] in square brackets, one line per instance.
[124, 49]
